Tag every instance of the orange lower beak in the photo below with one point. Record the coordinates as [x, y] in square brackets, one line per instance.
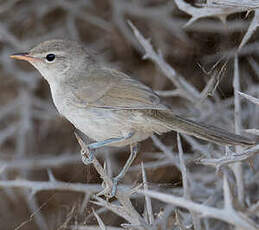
[23, 56]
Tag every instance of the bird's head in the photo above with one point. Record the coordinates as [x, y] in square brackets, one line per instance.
[57, 60]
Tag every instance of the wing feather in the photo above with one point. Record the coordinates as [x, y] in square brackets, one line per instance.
[114, 90]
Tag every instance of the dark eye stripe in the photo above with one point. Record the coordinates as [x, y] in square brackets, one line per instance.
[50, 57]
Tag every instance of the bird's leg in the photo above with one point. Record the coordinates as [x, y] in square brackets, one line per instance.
[133, 153]
[91, 147]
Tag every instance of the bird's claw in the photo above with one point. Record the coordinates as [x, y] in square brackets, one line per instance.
[87, 156]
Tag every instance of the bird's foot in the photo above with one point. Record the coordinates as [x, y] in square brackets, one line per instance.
[87, 156]
[109, 191]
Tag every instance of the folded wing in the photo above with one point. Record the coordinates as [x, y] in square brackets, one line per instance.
[110, 89]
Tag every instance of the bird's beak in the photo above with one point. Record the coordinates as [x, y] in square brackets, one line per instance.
[23, 56]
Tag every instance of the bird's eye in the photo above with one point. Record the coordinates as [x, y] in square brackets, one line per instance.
[50, 57]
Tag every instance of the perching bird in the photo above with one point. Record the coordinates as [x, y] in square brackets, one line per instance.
[109, 106]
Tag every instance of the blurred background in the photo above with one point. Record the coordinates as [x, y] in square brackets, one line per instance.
[36, 143]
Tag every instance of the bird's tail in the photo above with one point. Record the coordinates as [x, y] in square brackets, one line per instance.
[206, 132]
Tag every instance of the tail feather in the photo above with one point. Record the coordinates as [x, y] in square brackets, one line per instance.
[206, 132]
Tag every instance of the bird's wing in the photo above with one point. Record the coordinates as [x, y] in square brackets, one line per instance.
[110, 89]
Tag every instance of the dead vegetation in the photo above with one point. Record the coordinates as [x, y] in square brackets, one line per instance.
[201, 57]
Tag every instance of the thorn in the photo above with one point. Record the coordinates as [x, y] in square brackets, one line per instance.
[50, 175]
[251, 164]
[192, 20]
[2, 169]
[32, 193]
[223, 19]
[145, 56]
[247, 13]
[80, 141]
[203, 69]
[228, 151]
[99, 220]
[131, 24]
[135, 189]
[160, 54]
[105, 166]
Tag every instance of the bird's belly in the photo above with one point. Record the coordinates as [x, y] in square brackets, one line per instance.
[96, 123]
[101, 124]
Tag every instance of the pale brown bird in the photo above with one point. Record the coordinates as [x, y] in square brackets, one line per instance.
[109, 106]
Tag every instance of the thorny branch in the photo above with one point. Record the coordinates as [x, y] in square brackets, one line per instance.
[28, 121]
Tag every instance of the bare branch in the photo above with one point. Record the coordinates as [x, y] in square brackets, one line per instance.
[227, 216]
[36, 186]
[147, 199]
[253, 131]
[179, 82]
[207, 10]
[99, 220]
[213, 83]
[253, 26]
[237, 167]
[230, 158]
[250, 98]
[227, 194]
[126, 209]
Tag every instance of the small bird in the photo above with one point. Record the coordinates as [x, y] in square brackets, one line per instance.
[109, 106]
